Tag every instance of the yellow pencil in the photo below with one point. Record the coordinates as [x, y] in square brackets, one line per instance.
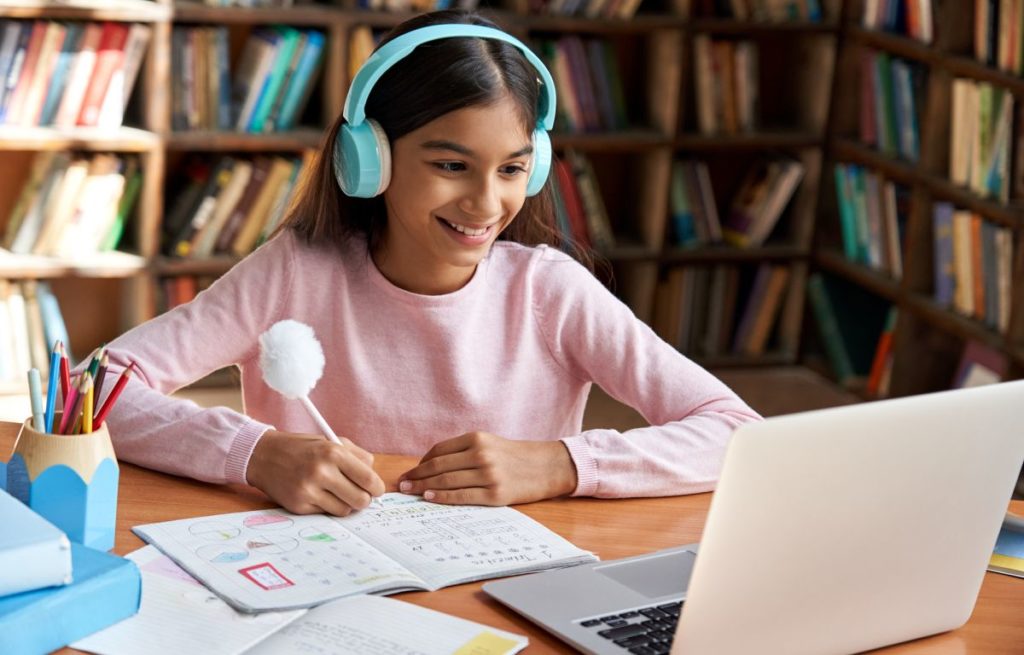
[87, 410]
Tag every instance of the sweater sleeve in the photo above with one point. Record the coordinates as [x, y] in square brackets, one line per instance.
[691, 413]
[219, 328]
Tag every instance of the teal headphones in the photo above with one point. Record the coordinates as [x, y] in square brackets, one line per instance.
[362, 155]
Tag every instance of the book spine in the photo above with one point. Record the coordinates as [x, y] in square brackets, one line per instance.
[828, 327]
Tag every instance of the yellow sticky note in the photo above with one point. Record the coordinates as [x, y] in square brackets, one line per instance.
[486, 643]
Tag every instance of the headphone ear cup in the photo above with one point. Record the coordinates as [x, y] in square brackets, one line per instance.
[541, 166]
[362, 159]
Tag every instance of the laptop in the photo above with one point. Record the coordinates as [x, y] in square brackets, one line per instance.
[832, 531]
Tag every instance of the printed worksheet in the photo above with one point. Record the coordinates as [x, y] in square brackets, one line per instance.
[371, 624]
[273, 560]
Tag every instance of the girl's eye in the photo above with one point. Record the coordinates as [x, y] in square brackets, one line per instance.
[450, 166]
[513, 169]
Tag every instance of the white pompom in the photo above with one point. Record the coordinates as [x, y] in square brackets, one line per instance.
[291, 358]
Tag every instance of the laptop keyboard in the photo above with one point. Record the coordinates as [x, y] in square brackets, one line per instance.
[646, 631]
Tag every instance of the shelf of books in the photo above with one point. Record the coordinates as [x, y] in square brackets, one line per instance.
[148, 146]
[922, 207]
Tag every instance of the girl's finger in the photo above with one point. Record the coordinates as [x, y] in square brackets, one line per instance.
[450, 480]
[449, 446]
[441, 464]
[470, 496]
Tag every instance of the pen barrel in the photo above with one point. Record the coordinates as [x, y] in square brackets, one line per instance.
[319, 419]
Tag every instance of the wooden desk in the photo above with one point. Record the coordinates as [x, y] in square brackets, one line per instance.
[610, 528]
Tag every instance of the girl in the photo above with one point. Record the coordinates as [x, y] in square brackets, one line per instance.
[450, 329]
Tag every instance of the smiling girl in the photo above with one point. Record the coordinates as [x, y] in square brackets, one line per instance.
[451, 329]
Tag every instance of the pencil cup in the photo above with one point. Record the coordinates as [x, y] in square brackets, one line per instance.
[70, 480]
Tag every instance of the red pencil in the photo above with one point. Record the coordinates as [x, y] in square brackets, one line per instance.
[65, 372]
[67, 422]
[112, 398]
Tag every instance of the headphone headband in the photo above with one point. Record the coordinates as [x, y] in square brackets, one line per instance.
[398, 48]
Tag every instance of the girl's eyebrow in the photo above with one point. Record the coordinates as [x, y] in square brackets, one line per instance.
[463, 150]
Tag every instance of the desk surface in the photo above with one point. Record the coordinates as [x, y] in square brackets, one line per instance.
[610, 528]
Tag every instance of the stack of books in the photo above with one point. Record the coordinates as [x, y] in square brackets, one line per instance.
[726, 73]
[998, 37]
[266, 91]
[589, 83]
[872, 215]
[68, 73]
[911, 17]
[763, 196]
[694, 213]
[73, 205]
[980, 137]
[580, 212]
[757, 10]
[889, 118]
[30, 324]
[231, 205]
[973, 264]
[711, 311]
[621, 9]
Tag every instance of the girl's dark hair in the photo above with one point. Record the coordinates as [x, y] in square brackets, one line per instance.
[462, 72]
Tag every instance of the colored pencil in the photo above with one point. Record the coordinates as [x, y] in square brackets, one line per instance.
[69, 405]
[68, 421]
[94, 365]
[87, 407]
[112, 398]
[65, 374]
[101, 374]
[36, 400]
[51, 388]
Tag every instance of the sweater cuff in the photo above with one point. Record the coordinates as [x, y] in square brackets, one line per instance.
[241, 450]
[586, 465]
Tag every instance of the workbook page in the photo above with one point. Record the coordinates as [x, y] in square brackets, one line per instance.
[446, 544]
[273, 560]
[371, 624]
[178, 615]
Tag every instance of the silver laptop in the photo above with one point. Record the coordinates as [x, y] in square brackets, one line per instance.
[833, 531]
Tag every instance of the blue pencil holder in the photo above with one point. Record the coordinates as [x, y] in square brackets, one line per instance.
[70, 480]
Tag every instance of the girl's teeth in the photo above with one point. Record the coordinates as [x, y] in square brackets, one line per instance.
[467, 231]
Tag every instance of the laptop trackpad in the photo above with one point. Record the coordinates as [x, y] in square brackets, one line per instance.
[661, 575]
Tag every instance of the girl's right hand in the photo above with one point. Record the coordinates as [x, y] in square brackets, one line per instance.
[307, 474]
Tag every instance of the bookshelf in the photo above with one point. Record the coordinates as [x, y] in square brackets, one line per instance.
[930, 334]
[106, 294]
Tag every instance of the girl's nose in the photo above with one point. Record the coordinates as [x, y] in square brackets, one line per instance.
[483, 199]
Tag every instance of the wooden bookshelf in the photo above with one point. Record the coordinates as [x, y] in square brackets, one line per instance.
[929, 337]
[797, 61]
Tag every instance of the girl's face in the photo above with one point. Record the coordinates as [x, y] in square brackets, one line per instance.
[456, 183]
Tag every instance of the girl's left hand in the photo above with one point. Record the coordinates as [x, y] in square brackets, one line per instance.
[479, 468]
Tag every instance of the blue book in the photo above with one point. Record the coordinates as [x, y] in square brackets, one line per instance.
[33, 553]
[847, 216]
[53, 321]
[301, 83]
[287, 39]
[13, 72]
[59, 78]
[224, 85]
[942, 237]
[106, 589]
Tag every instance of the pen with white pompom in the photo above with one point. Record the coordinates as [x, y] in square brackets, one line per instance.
[292, 362]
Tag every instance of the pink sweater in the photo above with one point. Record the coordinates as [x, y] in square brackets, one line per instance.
[513, 352]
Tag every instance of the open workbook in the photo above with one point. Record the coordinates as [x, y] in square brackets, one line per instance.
[273, 560]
